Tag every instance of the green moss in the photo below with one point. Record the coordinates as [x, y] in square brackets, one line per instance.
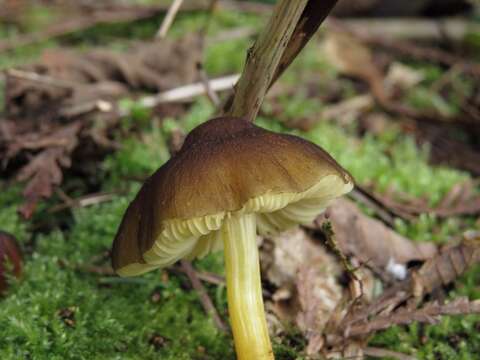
[10, 221]
[138, 157]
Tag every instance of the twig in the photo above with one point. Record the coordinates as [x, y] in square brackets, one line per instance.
[384, 353]
[180, 94]
[233, 34]
[168, 20]
[312, 17]
[291, 26]
[42, 79]
[187, 92]
[327, 231]
[204, 30]
[263, 59]
[212, 95]
[412, 50]
[428, 314]
[85, 108]
[121, 14]
[455, 28]
[202, 293]
[440, 270]
[205, 276]
[83, 201]
[383, 213]
[246, 6]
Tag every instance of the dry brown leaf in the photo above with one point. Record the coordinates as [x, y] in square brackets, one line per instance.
[352, 58]
[430, 314]
[44, 171]
[69, 79]
[398, 304]
[306, 279]
[369, 240]
[318, 296]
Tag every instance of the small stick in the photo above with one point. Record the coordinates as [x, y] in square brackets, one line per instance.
[42, 79]
[83, 201]
[212, 95]
[202, 293]
[263, 59]
[187, 92]
[205, 276]
[168, 20]
[327, 230]
[384, 353]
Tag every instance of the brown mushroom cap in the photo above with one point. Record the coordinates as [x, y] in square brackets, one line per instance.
[226, 165]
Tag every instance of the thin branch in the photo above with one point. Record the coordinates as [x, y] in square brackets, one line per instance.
[202, 293]
[428, 314]
[414, 29]
[263, 59]
[168, 20]
[312, 17]
[187, 92]
[212, 95]
[82, 22]
[384, 353]
[411, 50]
[41, 79]
[440, 270]
[291, 26]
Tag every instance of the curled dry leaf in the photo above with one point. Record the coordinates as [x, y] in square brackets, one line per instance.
[64, 79]
[306, 279]
[369, 240]
[398, 305]
[45, 104]
[44, 171]
[9, 255]
[318, 296]
[354, 59]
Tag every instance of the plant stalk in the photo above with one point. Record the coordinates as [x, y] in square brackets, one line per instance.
[244, 290]
[263, 59]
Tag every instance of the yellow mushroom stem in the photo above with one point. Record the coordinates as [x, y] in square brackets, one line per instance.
[244, 289]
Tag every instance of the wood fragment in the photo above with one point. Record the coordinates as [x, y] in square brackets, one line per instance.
[168, 20]
[312, 17]
[411, 28]
[211, 94]
[42, 79]
[428, 314]
[440, 270]
[384, 353]
[82, 22]
[411, 50]
[202, 293]
[263, 59]
[187, 92]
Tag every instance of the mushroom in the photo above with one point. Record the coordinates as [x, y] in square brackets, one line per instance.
[9, 253]
[229, 179]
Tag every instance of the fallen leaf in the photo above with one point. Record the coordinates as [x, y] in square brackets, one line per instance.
[44, 171]
[369, 240]
[306, 279]
[65, 79]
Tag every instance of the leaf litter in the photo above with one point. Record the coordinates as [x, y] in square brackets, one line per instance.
[41, 128]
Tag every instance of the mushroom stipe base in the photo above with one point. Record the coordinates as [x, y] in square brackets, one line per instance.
[244, 291]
